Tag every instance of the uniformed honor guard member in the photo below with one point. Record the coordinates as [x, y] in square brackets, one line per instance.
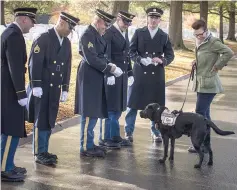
[151, 51]
[116, 88]
[90, 100]
[13, 93]
[49, 71]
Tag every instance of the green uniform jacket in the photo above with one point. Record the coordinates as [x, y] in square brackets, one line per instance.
[211, 52]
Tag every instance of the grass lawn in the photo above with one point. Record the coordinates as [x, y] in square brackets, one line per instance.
[180, 66]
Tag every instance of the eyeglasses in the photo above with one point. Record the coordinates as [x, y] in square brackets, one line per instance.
[197, 35]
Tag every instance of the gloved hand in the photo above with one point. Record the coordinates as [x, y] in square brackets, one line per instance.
[130, 80]
[64, 96]
[23, 101]
[111, 80]
[37, 92]
[117, 72]
[157, 60]
[146, 61]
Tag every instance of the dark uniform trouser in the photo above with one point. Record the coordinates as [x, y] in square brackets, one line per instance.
[8, 148]
[110, 125]
[87, 132]
[40, 140]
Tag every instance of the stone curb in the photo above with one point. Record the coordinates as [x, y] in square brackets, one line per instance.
[75, 120]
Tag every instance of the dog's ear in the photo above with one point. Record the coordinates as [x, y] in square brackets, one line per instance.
[155, 106]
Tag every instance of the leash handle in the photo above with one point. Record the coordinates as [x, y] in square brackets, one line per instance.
[191, 76]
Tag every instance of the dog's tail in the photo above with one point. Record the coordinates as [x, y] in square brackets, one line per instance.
[217, 130]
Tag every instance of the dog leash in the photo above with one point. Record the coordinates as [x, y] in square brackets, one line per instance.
[190, 77]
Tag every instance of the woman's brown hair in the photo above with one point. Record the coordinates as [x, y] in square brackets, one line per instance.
[199, 24]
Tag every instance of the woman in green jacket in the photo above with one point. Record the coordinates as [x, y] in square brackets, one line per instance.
[211, 56]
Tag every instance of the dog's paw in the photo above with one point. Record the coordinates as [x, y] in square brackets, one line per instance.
[162, 160]
[197, 166]
[210, 163]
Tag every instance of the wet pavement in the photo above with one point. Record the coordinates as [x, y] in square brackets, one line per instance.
[138, 167]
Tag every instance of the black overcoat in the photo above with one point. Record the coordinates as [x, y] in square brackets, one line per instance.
[90, 99]
[50, 69]
[149, 84]
[117, 52]
[13, 60]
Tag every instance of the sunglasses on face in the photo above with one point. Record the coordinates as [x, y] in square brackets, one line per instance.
[197, 35]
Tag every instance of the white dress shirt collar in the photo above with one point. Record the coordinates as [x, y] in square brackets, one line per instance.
[153, 32]
[59, 38]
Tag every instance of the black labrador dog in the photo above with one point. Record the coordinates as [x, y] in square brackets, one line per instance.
[186, 123]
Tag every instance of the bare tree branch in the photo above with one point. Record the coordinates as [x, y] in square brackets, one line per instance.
[216, 13]
[191, 2]
[186, 10]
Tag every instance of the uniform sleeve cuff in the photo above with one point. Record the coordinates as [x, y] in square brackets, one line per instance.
[164, 61]
[21, 94]
[65, 87]
[130, 73]
[107, 69]
[36, 83]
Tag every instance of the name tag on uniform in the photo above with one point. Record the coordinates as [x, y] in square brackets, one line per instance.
[168, 118]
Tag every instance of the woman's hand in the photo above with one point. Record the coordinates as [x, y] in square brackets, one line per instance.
[214, 69]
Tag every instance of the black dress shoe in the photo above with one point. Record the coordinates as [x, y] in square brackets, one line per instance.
[100, 148]
[54, 156]
[121, 141]
[44, 159]
[129, 137]
[12, 176]
[20, 170]
[109, 144]
[93, 152]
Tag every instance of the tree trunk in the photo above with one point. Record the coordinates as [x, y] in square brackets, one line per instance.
[175, 25]
[231, 33]
[221, 23]
[2, 13]
[120, 6]
[204, 10]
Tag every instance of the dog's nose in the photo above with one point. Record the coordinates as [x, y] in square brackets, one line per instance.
[141, 114]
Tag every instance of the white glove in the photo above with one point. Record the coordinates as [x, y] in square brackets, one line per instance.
[111, 80]
[130, 80]
[64, 96]
[117, 72]
[146, 61]
[23, 101]
[38, 92]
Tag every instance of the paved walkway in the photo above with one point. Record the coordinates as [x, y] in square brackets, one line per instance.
[138, 167]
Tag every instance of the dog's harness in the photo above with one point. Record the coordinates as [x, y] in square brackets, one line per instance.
[168, 118]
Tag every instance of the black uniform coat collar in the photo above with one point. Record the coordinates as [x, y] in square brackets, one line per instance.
[98, 36]
[54, 38]
[124, 41]
[16, 28]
